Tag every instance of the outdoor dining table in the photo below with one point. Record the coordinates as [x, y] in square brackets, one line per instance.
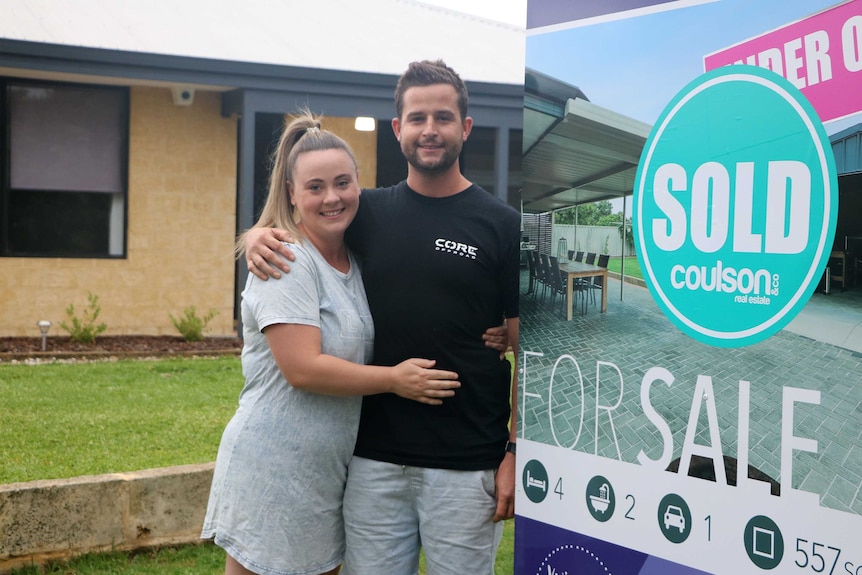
[574, 270]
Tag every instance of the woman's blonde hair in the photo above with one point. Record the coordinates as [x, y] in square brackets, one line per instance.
[302, 134]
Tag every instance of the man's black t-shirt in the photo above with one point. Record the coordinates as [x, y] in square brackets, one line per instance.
[438, 272]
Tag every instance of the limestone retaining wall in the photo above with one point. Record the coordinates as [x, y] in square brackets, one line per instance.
[56, 519]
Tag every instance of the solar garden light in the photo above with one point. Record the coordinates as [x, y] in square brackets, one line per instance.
[44, 326]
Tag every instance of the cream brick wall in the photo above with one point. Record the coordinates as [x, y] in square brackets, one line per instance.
[181, 221]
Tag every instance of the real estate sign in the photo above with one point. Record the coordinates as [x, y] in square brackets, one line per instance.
[706, 423]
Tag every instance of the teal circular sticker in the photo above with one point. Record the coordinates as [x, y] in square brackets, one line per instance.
[601, 500]
[764, 542]
[535, 481]
[674, 518]
[735, 204]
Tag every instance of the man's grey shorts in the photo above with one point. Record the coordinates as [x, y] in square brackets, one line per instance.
[390, 511]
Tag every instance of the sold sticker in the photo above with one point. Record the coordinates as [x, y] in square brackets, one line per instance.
[735, 204]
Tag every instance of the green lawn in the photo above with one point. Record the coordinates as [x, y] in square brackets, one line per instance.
[205, 559]
[65, 420]
[633, 268]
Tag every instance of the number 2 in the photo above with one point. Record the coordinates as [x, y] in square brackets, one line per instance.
[628, 513]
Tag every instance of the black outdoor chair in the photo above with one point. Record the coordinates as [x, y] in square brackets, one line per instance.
[598, 281]
[534, 273]
[539, 270]
[558, 281]
[591, 258]
[579, 257]
[544, 274]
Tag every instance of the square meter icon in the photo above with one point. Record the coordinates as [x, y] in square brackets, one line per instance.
[763, 543]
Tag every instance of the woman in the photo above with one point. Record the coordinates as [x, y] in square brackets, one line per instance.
[275, 503]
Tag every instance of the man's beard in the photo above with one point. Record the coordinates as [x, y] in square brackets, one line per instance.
[446, 161]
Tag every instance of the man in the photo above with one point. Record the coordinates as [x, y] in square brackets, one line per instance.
[440, 264]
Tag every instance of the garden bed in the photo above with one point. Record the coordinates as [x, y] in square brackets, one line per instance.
[116, 345]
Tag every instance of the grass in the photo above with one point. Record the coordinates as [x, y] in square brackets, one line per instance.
[201, 559]
[65, 420]
[204, 559]
[633, 268]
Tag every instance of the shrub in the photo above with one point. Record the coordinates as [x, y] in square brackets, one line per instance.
[190, 325]
[84, 329]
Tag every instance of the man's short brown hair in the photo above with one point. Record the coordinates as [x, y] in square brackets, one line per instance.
[428, 73]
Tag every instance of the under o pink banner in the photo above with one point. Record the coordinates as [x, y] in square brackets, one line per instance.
[821, 55]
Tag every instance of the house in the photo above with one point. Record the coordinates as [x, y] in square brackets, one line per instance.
[134, 137]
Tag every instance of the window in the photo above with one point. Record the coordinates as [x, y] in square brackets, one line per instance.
[63, 169]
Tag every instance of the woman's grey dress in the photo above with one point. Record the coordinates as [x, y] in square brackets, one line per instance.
[275, 501]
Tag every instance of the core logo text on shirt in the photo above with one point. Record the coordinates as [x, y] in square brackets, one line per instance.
[457, 248]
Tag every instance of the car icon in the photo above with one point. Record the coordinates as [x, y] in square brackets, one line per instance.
[673, 518]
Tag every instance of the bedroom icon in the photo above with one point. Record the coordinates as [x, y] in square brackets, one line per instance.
[535, 481]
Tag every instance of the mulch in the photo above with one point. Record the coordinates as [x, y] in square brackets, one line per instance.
[116, 346]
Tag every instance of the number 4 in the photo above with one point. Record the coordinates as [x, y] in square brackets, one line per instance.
[558, 488]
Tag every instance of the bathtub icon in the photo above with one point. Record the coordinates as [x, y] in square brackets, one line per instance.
[601, 502]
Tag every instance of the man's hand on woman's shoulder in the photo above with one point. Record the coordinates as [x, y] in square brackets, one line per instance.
[261, 248]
